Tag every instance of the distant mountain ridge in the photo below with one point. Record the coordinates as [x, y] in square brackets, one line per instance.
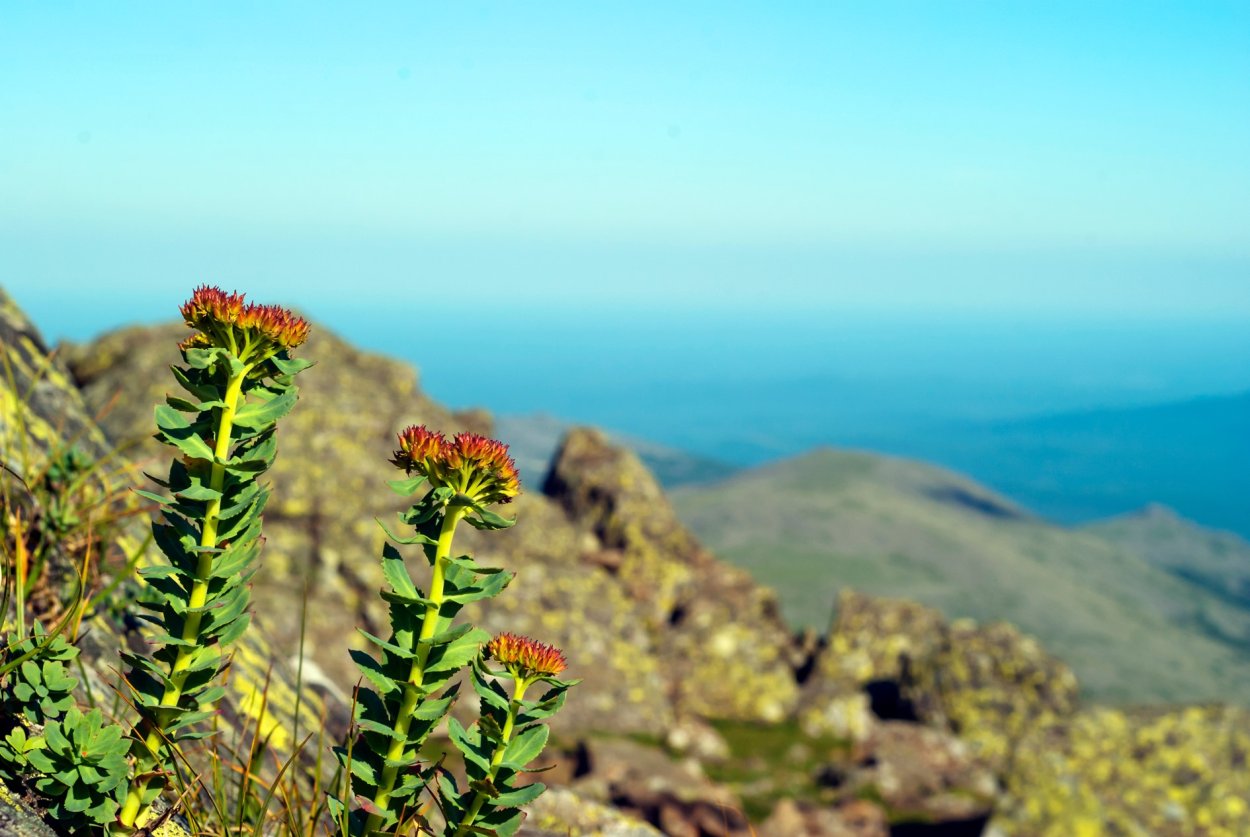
[1214, 560]
[1134, 629]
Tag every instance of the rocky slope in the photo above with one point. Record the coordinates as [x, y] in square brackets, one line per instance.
[700, 713]
[1134, 631]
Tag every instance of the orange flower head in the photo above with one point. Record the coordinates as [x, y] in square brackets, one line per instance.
[481, 468]
[249, 330]
[275, 323]
[209, 305]
[469, 464]
[420, 450]
[525, 657]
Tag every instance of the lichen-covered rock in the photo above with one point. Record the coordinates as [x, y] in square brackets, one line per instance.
[842, 716]
[1167, 773]
[718, 633]
[40, 408]
[871, 648]
[991, 685]
[17, 818]
[562, 813]
[876, 639]
[988, 684]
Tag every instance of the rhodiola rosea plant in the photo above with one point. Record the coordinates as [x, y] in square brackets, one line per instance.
[238, 380]
[408, 688]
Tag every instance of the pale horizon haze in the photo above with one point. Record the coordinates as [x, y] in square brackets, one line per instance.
[1058, 160]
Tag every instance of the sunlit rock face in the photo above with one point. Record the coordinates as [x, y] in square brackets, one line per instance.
[723, 646]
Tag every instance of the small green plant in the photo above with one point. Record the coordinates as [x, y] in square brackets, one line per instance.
[78, 764]
[408, 688]
[506, 738]
[239, 378]
[37, 686]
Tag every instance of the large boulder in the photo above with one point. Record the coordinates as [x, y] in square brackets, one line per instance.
[992, 686]
[921, 774]
[723, 646]
[859, 673]
[898, 660]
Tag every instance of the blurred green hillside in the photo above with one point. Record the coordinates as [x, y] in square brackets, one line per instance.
[1135, 627]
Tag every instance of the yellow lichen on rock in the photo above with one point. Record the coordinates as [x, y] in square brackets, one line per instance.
[1170, 772]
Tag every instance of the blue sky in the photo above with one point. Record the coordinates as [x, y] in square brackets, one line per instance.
[1073, 159]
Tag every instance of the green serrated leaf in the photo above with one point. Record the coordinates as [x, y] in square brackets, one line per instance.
[148, 495]
[198, 493]
[406, 487]
[403, 653]
[177, 431]
[372, 670]
[396, 573]
[525, 747]
[457, 654]
[202, 391]
[485, 519]
[489, 690]
[501, 822]
[520, 796]
[489, 587]
[204, 358]
[289, 365]
[261, 413]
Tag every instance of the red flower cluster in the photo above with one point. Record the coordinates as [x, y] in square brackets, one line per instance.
[470, 464]
[525, 657]
[228, 318]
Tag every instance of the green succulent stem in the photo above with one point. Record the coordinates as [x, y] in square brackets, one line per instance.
[479, 798]
[208, 536]
[131, 810]
[413, 690]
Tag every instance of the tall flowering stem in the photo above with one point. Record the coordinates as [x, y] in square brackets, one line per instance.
[238, 375]
[508, 736]
[407, 690]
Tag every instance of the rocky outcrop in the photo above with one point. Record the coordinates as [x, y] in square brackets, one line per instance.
[900, 660]
[1161, 772]
[898, 719]
[718, 634]
[674, 795]
[992, 686]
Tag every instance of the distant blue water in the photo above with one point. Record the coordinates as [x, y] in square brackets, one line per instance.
[956, 391]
